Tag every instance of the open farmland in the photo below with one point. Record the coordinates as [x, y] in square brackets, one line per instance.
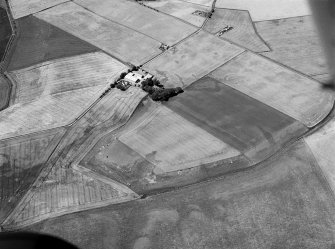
[109, 113]
[323, 147]
[144, 124]
[54, 93]
[201, 2]
[113, 159]
[66, 191]
[47, 112]
[21, 160]
[5, 32]
[115, 39]
[22, 8]
[297, 46]
[238, 120]
[243, 32]
[283, 204]
[65, 75]
[106, 115]
[5, 91]
[160, 27]
[287, 91]
[180, 9]
[261, 10]
[167, 140]
[38, 41]
[192, 59]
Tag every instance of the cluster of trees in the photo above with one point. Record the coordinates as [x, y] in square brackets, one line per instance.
[157, 91]
[151, 85]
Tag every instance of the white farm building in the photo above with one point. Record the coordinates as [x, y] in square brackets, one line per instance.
[136, 78]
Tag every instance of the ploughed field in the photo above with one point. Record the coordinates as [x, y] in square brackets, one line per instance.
[242, 158]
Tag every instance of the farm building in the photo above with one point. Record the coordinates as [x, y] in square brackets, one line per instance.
[136, 78]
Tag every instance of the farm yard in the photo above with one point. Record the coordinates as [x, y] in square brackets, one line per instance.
[166, 124]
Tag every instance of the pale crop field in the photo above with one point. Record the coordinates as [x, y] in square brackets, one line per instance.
[285, 90]
[261, 10]
[115, 39]
[47, 112]
[160, 27]
[54, 93]
[172, 143]
[298, 45]
[21, 8]
[192, 59]
[180, 9]
[243, 32]
[65, 75]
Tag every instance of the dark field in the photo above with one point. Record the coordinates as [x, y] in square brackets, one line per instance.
[5, 90]
[237, 119]
[114, 159]
[283, 204]
[39, 41]
[5, 32]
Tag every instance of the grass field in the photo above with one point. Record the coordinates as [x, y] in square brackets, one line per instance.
[297, 46]
[22, 8]
[283, 89]
[5, 91]
[322, 145]
[283, 204]
[160, 27]
[21, 159]
[115, 39]
[192, 59]
[243, 32]
[172, 143]
[271, 9]
[5, 32]
[65, 75]
[39, 41]
[180, 9]
[243, 122]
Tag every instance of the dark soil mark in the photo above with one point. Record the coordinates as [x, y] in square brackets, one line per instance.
[39, 41]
